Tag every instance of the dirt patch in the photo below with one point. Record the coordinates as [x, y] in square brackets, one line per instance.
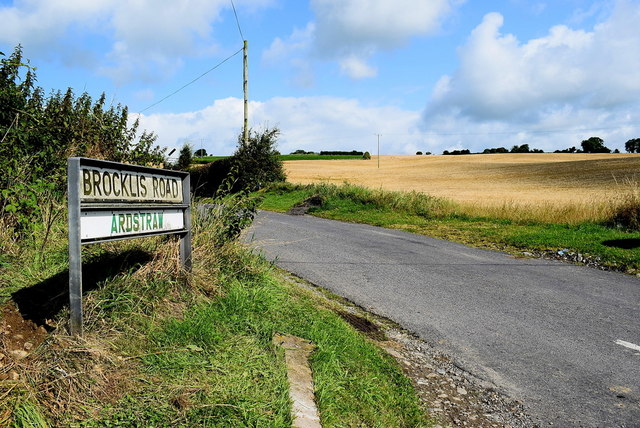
[18, 338]
[314, 201]
[363, 325]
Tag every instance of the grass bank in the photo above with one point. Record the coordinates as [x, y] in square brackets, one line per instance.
[415, 212]
[166, 348]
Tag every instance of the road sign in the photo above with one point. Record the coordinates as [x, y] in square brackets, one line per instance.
[110, 201]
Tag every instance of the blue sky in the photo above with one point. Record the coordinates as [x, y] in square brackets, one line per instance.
[428, 75]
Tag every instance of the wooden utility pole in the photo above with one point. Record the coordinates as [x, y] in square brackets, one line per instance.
[245, 74]
[378, 150]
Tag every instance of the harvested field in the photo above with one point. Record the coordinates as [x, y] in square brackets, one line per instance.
[558, 186]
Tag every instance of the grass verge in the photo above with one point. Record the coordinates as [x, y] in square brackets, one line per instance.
[440, 218]
[166, 348]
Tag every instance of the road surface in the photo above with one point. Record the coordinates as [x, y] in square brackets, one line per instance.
[562, 339]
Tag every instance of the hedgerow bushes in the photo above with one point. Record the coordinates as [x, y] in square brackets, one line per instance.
[39, 132]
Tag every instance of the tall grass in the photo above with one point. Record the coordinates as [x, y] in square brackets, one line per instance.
[411, 202]
[597, 210]
[619, 209]
[164, 347]
[626, 212]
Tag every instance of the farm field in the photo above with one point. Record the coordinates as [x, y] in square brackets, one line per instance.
[581, 185]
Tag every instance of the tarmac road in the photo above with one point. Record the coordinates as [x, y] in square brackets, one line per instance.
[562, 339]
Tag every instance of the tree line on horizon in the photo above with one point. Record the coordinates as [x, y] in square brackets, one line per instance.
[590, 145]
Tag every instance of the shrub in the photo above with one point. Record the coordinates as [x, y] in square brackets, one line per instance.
[366, 156]
[257, 161]
[253, 166]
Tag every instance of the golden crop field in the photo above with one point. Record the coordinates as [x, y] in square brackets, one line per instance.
[583, 186]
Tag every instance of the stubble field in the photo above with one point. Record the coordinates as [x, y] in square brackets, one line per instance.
[548, 186]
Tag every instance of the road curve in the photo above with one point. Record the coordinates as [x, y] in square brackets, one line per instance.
[560, 338]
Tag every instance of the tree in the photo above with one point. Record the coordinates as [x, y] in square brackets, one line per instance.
[457, 152]
[256, 161]
[569, 150]
[200, 153]
[632, 146]
[594, 145]
[185, 158]
[495, 150]
[366, 156]
[418, 153]
[520, 149]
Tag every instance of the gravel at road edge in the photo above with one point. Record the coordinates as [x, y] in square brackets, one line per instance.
[450, 395]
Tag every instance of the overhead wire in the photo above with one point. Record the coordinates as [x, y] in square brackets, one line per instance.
[193, 81]
[235, 13]
[233, 6]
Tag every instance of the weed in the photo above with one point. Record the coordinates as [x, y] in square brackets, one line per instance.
[27, 415]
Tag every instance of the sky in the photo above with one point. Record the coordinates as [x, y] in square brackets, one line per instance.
[413, 75]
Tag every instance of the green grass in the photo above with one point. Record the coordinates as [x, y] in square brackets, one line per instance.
[165, 349]
[207, 159]
[356, 384]
[27, 415]
[438, 217]
[317, 157]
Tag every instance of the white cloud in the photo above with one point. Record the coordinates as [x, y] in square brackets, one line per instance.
[568, 79]
[309, 123]
[42, 23]
[356, 68]
[289, 53]
[499, 77]
[348, 26]
[145, 36]
[352, 31]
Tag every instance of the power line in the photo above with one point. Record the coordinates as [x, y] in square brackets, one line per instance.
[233, 6]
[193, 81]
